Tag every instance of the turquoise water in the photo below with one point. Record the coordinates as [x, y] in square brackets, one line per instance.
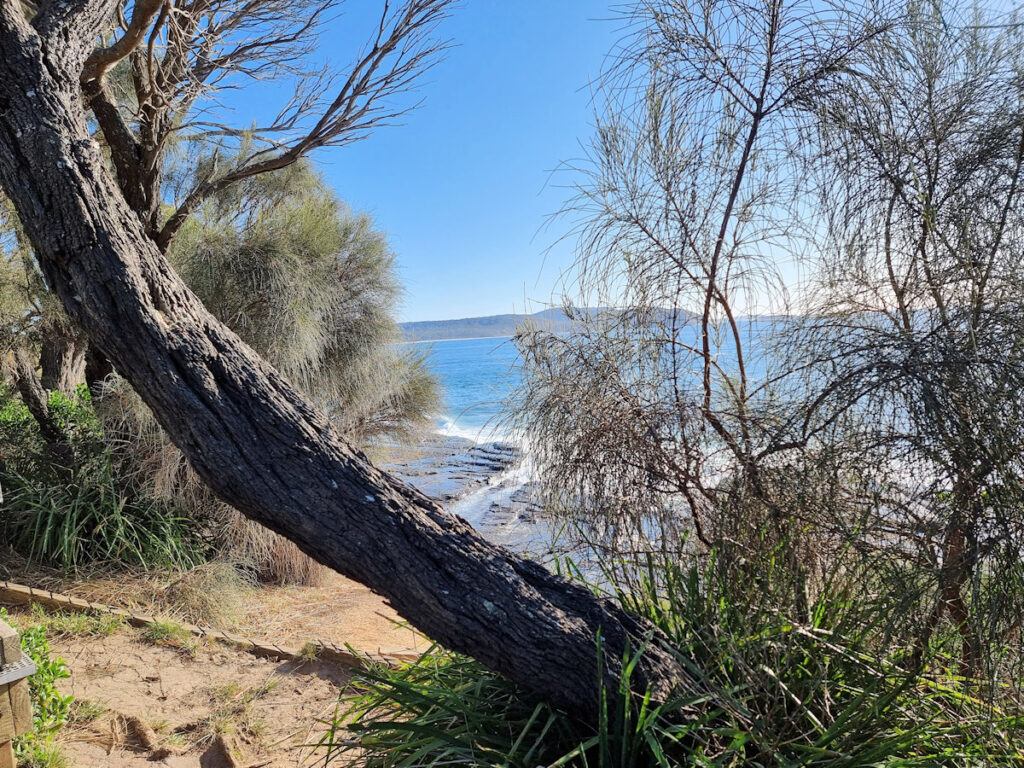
[476, 376]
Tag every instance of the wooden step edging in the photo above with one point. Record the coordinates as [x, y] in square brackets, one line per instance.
[344, 655]
[15, 707]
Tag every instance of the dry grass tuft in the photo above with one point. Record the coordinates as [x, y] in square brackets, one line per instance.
[213, 594]
[169, 635]
[233, 713]
[274, 559]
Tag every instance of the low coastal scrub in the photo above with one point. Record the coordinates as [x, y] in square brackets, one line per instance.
[90, 479]
[84, 509]
[832, 689]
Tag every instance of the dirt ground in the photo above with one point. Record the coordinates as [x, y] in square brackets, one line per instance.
[339, 612]
[197, 701]
[207, 696]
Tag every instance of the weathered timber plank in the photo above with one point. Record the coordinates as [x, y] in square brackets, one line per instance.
[10, 644]
[19, 670]
[7, 725]
[7, 730]
[21, 706]
[10, 651]
[15, 706]
[19, 593]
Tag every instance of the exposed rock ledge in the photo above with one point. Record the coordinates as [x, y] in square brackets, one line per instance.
[448, 468]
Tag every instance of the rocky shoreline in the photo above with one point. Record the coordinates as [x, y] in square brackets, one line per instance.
[447, 467]
[485, 483]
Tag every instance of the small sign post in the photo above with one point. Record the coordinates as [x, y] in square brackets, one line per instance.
[15, 707]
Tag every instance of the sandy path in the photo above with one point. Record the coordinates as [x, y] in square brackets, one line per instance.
[267, 710]
[340, 612]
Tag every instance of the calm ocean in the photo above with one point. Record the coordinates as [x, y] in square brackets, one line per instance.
[476, 376]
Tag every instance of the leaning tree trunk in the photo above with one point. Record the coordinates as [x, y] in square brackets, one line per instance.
[36, 399]
[259, 444]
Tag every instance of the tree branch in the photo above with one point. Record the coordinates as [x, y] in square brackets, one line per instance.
[125, 150]
[102, 60]
[400, 52]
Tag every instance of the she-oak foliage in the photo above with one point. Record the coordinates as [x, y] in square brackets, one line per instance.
[312, 287]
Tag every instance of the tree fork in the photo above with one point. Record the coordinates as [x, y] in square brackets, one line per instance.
[259, 444]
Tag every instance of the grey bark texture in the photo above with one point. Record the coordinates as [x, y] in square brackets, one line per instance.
[62, 360]
[259, 444]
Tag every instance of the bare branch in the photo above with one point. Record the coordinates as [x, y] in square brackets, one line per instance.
[103, 60]
[403, 49]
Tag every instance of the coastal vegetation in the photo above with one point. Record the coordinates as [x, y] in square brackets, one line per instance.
[90, 478]
[258, 443]
[779, 419]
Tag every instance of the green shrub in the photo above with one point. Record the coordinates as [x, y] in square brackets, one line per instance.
[22, 448]
[19, 435]
[91, 512]
[50, 708]
[770, 691]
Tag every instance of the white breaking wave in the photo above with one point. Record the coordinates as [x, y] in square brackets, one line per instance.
[476, 508]
[478, 435]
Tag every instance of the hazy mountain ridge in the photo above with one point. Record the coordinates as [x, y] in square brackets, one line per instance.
[482, 327]
[492, 326]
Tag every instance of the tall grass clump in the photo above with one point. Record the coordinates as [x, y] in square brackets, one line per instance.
[93, 522]
[767, 691]
[87, 511]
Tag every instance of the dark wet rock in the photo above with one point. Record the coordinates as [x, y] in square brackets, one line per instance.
[446, 467]
[476, 482]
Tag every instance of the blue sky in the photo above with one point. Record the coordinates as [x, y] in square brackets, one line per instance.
[464, 188]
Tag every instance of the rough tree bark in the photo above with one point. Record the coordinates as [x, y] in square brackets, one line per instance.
[258, 444]
[62, 360]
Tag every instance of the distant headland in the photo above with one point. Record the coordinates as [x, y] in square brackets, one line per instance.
[503, 326]
[482, 327]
